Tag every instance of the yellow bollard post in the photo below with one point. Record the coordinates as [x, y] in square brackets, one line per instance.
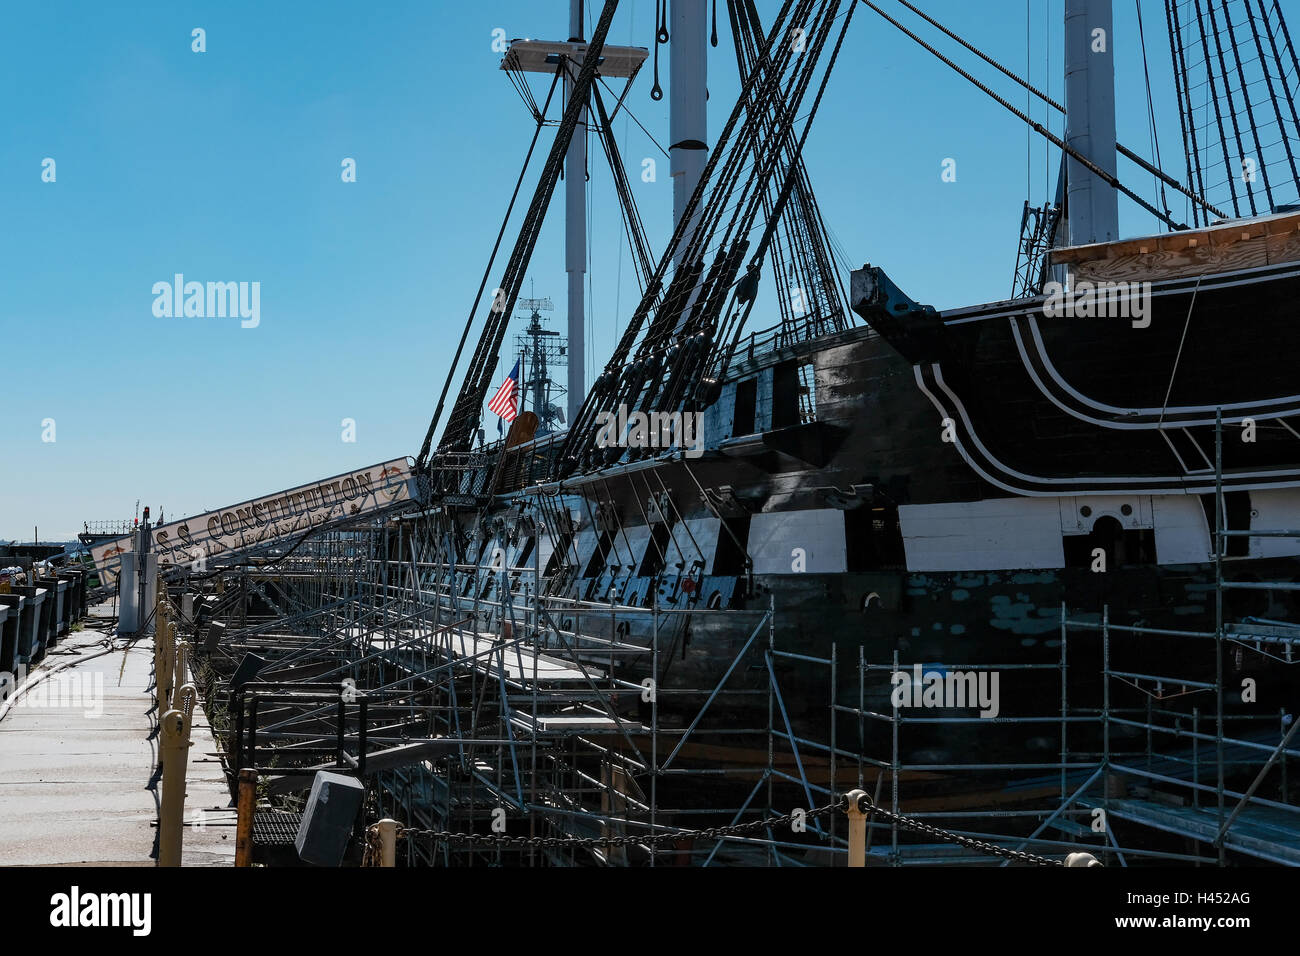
[175, 727]
[247, 807]
[387, 842]
[857, 827]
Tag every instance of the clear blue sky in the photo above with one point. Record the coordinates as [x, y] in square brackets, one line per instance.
[225, 166]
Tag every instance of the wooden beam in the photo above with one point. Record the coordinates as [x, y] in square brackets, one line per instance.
[1231, 246]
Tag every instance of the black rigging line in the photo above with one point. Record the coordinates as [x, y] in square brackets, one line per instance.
[649, 135]
[652, 297]
[792, 177]
[1272, 93]
[699, 324]
[626, 200]
[1056, 141]
[467, 410]
[1250, 110]
[805, 229]
[1015, 78]
[661, 37]
[619, 380]
[520, 83]
[698, 331]
[1179, 52]
[1151, 106]
[1286, 35]
[1214, 96]
[627, 88]
[469, 322]
[1232, 110]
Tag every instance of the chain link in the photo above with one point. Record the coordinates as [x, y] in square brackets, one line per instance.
[738, 829]
[374, 849]
[709, 833]
[982, 846]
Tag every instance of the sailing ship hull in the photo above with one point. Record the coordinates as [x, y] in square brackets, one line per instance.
[888, 510]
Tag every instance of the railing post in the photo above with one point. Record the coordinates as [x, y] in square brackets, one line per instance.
[175, 726]
[179, 658]
[159, 674]
[857, 827]
[244, 827]
[164, 636]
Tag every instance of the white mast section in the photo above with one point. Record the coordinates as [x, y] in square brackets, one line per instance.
[1093, 210]
[575, 228]
[688, 105]
[543, 56]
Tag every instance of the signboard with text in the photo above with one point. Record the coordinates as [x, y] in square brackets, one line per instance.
[260, 522]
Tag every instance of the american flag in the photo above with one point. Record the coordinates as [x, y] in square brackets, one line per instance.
[505, 403]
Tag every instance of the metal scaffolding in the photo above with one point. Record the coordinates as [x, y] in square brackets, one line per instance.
[1190, 767]
[472, 701]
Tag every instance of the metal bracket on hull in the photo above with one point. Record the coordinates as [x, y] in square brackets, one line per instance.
[915, 330]
[725, 503]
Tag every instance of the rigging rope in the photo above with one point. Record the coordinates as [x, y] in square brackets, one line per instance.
[640, 125]
[1179, 354]
[626, 199]
[615, 382]
[1151, 107]
[1120, 147]
[1056, 141]
[661, 37]
[478, 297]
[468, 410]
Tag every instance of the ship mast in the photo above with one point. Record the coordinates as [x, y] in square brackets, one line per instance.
[688, 107]
[1093, 204]
[575, 227]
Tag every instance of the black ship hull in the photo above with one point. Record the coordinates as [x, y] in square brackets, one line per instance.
[930, 500]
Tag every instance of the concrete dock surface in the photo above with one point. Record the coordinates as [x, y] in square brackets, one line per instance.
[79, 774]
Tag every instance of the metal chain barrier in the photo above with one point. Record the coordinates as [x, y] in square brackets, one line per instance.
[740, 829]
[373, 851]
[871, 810]
[709, 833]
